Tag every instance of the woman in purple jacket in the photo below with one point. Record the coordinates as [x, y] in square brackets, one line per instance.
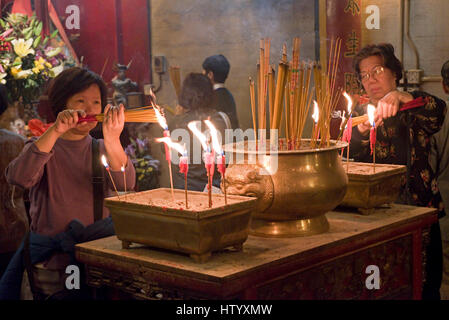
[57, 167]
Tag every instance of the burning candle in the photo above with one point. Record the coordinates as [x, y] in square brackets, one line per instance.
[106, 165]
[315, 117]
[208, 157]
[347, 135]
[372, 133]
[183, 160]
[163, 123]
[221, 159]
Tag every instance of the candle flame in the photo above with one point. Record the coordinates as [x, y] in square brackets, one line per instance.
[173, 145]
[122, 168]
[316, 112]
[348, 98]
[214, 133]
[105, 162]
[160, 118]
[192, 126]
[370, 111]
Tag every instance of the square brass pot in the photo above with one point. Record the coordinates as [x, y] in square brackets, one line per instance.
[369, 188]
[197, 233]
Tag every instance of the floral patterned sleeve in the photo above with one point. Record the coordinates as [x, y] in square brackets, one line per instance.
[424, 122]
[429, 117]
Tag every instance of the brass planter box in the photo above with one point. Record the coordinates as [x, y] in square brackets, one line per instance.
[195, 232]
[369, 188]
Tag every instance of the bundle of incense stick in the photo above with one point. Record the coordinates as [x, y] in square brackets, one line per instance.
[262, 83]
[175, 77]
[327, 95]
[142, 114]
[416, 103]
[289, 93]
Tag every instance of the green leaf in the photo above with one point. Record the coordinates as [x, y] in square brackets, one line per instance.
[28, 34]
[36, 41]
[26, 30]
[38, 29]
[54, 34]
[2, 22]
[44, 43]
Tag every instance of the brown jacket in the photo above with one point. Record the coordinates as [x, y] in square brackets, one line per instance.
[13, 221]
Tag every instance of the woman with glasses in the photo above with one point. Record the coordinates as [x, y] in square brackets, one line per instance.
[403, 137]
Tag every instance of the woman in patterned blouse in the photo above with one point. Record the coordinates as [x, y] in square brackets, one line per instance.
[403, 137]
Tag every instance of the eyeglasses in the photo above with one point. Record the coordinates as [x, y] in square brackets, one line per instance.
[375, 72]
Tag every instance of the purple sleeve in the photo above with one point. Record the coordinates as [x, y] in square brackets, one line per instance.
[26, 170]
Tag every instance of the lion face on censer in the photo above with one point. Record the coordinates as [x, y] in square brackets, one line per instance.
[252, 181]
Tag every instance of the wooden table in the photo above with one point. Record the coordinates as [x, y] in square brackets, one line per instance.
[326, 266]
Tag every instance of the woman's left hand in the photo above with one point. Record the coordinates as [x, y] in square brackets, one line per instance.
[114, 121]
[389, 105]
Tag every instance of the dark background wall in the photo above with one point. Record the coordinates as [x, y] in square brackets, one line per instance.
[187, 31]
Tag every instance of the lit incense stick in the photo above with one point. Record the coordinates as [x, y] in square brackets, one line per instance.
[372, 134]
[184, 168]
[106, 165]
[315, 117]
[208, 157]
[183, 160]
[124, 178]
[221, 160]
[163, 123]
[348, 128]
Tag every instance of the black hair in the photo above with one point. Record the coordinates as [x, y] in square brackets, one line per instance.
[197, 92]
[386, 52]
[445, 73]
[219, 66]
[70, 82]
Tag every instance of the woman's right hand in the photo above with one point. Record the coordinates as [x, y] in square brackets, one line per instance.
[67, 119]
[365, 127]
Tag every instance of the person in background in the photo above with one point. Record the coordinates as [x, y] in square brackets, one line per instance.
[57, 167]
[217, 68]
[13, 217]
[196, 98]
[403, 137]
[439, 161]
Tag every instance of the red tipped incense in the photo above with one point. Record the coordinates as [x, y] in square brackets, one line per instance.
[221, 165]
[209, 164]
[184, 168]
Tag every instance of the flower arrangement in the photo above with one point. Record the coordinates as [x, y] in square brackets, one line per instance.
[146, 167]
[27, 58]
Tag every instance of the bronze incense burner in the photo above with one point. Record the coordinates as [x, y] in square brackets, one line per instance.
[151, 218]
[372, 186]
[292, 200]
